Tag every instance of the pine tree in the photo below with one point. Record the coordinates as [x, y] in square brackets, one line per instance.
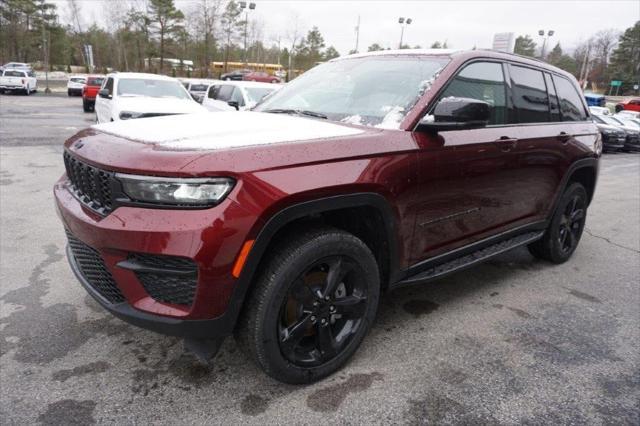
[525, 46]
[166, 20]
[625, 59]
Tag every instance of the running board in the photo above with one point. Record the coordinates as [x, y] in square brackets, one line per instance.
[470, 259]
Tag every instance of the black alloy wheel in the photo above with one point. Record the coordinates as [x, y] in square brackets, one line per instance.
[571, 224]
[312, 304]
[322, 312]
[563, 234]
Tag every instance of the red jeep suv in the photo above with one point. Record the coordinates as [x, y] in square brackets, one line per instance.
[285, 225]
[90, 91]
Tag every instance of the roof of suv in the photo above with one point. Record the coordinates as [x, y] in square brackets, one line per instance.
[141, 75]
[454, 53]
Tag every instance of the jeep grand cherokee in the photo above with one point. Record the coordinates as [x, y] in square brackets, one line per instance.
[286, 224]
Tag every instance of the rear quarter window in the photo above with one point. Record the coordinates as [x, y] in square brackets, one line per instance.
[571, 106]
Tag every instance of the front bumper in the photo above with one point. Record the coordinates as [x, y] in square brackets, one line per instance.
[211, 238]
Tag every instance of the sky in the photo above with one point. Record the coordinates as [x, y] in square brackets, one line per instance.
[462, 23]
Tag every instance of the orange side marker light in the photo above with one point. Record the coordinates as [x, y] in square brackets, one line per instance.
[242, 258]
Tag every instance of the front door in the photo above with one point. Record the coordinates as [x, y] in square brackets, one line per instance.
[466, 176]
[103, 105]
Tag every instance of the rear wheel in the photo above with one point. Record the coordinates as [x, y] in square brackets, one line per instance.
[311, 307]
[86, 107]
[562, 236]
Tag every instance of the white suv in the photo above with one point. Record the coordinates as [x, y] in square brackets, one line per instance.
[125, 96]
[75, 85]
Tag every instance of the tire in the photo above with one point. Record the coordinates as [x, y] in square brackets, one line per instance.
[619, 108]
[69, 93]
[562, 236]
[286, 321]
[27, 91]
[85, 106]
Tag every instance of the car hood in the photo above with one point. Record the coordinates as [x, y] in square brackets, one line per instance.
[158, 105]
[234, 142]
[608, 127]
[225, 130]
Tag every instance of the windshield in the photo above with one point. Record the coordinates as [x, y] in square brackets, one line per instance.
[95, 81]
[77, 80]
[610, 120]
[373, 91]
[255, 94]
[14, 73]
[152, 88]
[199, 87]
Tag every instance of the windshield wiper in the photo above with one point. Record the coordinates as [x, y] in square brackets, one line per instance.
[297, 112]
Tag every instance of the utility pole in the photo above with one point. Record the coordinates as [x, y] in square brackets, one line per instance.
[357, 34]
[583, 68]
[247, 8]
[544, 41]
[45, 54]
[403, 23]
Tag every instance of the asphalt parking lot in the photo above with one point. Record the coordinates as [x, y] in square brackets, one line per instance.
[514, 341]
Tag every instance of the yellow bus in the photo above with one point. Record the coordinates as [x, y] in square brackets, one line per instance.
[218, 67]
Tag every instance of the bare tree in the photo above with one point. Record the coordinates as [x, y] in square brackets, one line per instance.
[206, 14]
[602, 44]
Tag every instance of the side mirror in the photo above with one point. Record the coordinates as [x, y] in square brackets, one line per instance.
[234, 104]
[104, 93]
[456, 114]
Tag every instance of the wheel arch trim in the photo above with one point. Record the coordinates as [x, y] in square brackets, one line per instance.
[289, 214]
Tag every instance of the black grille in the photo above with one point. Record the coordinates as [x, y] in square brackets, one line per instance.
[94, 270]
[174, 279]
[90, 184]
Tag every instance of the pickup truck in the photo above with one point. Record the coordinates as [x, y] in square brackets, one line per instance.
[18, 80]
[90, 91]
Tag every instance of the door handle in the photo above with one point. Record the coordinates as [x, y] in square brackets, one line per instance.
[564, 137]
[506, 144]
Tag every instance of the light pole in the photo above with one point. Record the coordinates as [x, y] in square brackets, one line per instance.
[403, 23]
[544, 40]
[246, 7]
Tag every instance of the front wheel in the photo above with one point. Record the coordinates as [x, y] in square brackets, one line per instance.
[313, 304]
[27, 91]
[562, 236]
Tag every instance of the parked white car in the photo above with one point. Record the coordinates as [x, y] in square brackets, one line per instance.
[237, 95]
[16, 79]
[17, 65]
[198, 88]
[75, 85]
[596, 110]
[124, 96]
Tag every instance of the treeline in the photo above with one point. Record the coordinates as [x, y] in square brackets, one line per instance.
[130, 31]
[608, 55]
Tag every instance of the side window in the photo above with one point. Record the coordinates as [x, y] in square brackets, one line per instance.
[109, 85]
[553, 98]
[571, 106]
[529, 94]
[213, 92]
[483, 81]
[225, 92]
[237, 96]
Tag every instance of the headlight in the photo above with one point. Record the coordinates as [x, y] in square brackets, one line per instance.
[126, 115]
[175, 191]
